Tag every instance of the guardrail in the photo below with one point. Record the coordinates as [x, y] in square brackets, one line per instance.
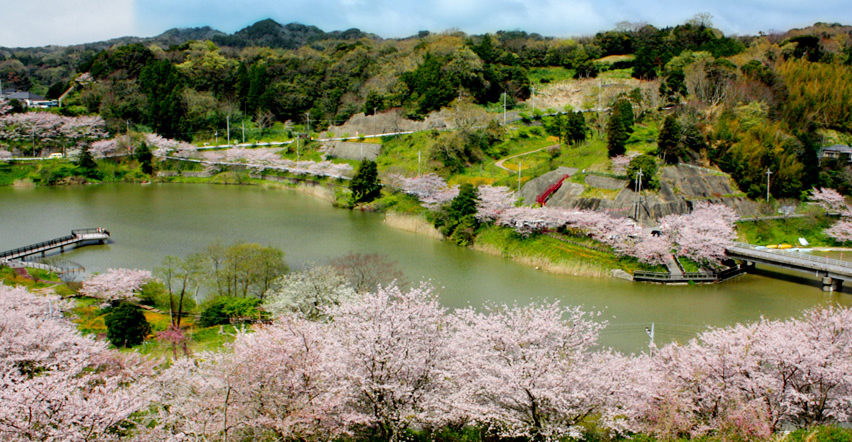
[688, 276]
[795, 255]
[90, 230]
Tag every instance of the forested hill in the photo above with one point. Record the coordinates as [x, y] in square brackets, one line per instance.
[745, 103]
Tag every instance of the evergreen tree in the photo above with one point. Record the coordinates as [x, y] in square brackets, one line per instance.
[648, 165]
[86, 164]
[576, 129]
[616, 136]
[161, 82]
[668, 142]
[126, 325]
[457, 221]
[145, 157]
[365, 185]
[644, 67]
[625, 112]
[556, 125]
[258, 85]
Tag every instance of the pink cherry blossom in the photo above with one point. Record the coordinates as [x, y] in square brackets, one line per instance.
[56, 384]
[116, 284]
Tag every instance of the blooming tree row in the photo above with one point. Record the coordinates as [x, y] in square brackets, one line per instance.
[56, 384]
[701, 235]
[50, 127]
[393, 359]
[268, 159]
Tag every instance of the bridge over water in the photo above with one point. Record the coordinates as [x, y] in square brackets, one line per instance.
[832, 271]
[77, 237]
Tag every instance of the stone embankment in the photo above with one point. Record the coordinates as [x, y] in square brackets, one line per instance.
[680, 187]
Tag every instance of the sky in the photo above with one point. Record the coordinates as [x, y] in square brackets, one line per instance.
[29, 23]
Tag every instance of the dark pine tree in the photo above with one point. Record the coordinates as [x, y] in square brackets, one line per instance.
[126, 325]
[365, 184]
[668, 142]
[616, 136]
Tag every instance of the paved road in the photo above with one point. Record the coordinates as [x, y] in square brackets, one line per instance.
[499, 163]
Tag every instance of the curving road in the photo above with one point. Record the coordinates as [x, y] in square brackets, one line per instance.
[499, 163]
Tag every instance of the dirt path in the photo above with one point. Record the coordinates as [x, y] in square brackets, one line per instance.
[499, 163]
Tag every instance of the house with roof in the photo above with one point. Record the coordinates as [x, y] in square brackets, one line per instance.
[839, 151]
[28, 98]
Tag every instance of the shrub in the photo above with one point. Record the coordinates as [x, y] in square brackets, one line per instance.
[126, 325]
[226, 310]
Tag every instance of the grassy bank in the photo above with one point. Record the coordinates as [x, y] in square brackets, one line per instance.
[555, 254]
[787, 231]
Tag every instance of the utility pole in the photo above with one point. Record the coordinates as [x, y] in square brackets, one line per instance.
[768, 172]
[308, 113]
[638, 194]
[297, 146]
[520, 163]
[217, 138]
[533, 99]
[504, 108]
[228, 123]
[244, 130]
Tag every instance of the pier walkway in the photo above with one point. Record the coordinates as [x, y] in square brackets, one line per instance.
[76, 238]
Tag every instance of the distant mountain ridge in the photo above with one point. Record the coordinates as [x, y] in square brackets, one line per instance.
[266, 33]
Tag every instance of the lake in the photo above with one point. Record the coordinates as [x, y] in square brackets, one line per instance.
[151, 221]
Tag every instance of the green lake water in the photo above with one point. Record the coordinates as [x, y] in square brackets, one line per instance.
[152, 221]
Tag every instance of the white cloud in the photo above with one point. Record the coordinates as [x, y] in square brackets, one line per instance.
[65, 22]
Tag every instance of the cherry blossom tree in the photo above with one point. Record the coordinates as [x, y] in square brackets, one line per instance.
[751, 379]
[620, 163]
[493, 200]
[275, 383]
[841, 231]
[104, 148]
[308, 292]
[704, 234]
[5, 107]
[116, 284]
[430, 189]
[527, 371]
[832, 201]
[56, 384]
[51, 128]
[269, 159]
[162, 147]
[392, 358]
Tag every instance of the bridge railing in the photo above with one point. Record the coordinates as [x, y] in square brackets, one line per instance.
[89, 230]
[797, 255]
[40, 245]
[669, 276]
